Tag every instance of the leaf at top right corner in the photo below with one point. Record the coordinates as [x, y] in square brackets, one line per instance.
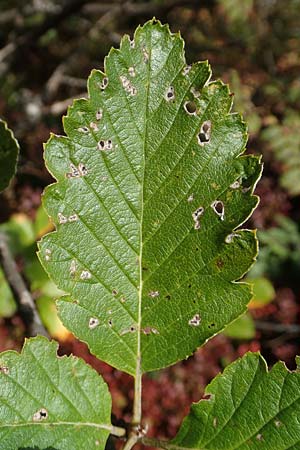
[246, 408]
[9, 151]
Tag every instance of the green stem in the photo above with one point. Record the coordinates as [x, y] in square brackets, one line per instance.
[117, 431]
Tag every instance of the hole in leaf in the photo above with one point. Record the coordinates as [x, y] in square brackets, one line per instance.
[191, 108]
[204, 135]
[41, 414]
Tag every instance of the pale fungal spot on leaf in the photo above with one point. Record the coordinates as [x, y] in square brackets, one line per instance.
[73, 267]
[85, 275]
[230, 237]
[150, 330]
[73, 218]
[105, 145]
[114, 292]
[122, 299]
[83, 130]
[61, 218]
[104, 83]
[145, 55]
[259, 437]
[195, 93]
[186, 70]
[218, 208]
[153, 294]
[48, 254]
[4, 369]
[41, 414]
[131, 71]
[191, 108]
[99, 114]
[196, 216]
[94, 126]
[93, 323]
[97, 443]
[278, 423]
[131, 329]
[127, 85]
[170, 94]
[235, 185]
[195, 321]
[205, 131]
[77, 172]
[190, 198]
[215, 422]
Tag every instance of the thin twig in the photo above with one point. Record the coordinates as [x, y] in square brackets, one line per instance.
[24, 300]
[277, 327]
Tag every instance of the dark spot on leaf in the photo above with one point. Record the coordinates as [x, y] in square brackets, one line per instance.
[190, 107]
[168, 297]
[220, 263]
[207, 397]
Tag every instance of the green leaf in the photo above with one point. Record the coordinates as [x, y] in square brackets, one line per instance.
[246, 407]
[9, 151]
[47, 401]
[241, 328]
[149, 272]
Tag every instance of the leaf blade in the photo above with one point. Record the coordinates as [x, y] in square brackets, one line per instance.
[222, 421]
[50, 401]
[9, 151]
[131, 162]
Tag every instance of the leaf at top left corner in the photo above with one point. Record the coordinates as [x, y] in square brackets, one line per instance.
[9, 151]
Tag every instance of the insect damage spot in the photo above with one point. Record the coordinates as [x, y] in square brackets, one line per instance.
[77, 172]
[105, 145]
[235, 185]
[196, 217]
[73, 268]
[215, 422]
[127, 85]
[85, 275]
[131, 71]
[259, 437]
[195, 93]
[61, 218]
[94, 126]
[104, 83]
[205, 131]
[195, 321]
[218, 208]
[278, 423]
[114, 292]
[150, 330]
[190, 198]
[99, 114]
[93, 323]
[48, 254]
[145, 55]
[83, 130]
[4, 369]
[208, 397]
[191, 108]
[131, 329]
[132, 43]
[41, 414]
[186, 70]
[153, 294]
[170, 94]
[230, 237]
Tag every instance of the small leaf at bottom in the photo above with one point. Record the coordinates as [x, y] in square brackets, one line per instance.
[246, 408]
[51, 402]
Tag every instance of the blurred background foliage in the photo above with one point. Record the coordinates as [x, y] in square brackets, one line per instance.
[47, 50]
